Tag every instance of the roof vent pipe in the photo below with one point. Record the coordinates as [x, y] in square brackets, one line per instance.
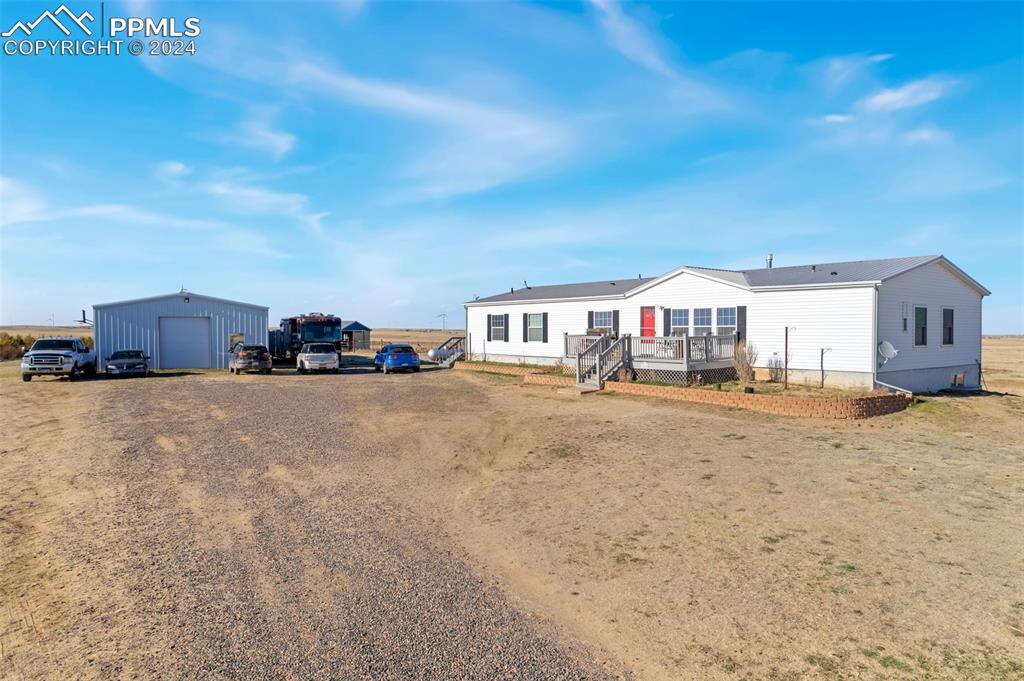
[768, 261]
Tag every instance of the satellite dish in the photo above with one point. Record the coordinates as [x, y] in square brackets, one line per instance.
[887, 351]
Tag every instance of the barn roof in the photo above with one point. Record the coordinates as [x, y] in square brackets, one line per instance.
[180, 294]
[354, 326]
[810, 275]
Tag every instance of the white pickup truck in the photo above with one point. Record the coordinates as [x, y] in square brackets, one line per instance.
[58, 357]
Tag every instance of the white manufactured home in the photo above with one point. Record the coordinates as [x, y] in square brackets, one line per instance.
[913, 323]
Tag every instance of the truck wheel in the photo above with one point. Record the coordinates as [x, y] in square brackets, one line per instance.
[74, 373]
[302, 368]
[26, 377]
[90, 369]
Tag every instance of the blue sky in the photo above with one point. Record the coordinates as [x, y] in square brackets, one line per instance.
[387, 162]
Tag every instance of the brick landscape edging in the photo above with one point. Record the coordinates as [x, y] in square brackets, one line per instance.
[783, 405]
[510, 369]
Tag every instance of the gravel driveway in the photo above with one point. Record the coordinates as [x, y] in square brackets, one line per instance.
[241, 532]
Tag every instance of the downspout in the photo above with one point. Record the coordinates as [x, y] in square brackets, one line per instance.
[874, 336]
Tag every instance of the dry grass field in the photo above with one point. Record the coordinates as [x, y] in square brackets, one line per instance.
[542, 534]
[42, 331]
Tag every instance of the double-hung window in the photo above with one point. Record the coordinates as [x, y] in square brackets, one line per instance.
[702, 321]
[726, 320]
[604, 321]
[920, 326]
[947, 326]
[498, 327]
[679, 322]
[535, 327]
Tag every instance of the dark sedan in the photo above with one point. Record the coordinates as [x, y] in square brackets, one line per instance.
[127, 363]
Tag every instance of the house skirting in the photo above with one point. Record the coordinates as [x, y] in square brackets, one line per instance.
[860, 380]
[932, 379]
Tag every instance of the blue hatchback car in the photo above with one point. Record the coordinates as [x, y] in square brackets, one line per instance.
[396, 357]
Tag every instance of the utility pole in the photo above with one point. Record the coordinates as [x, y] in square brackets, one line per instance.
[444, 321]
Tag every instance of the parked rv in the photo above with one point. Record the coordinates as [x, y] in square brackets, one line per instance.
[294, 332]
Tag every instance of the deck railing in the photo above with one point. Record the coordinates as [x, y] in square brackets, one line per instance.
[684, 349]
[573, 344]
[658, 347]
[711, 348]
[588, 360]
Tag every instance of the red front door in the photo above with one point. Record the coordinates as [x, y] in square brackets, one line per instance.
[648, 327]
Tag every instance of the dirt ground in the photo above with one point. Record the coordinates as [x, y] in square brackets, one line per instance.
[620, 535]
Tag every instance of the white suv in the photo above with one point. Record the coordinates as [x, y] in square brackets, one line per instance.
[317, 357]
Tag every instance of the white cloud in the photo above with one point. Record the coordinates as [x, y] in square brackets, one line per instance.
[256, 131]
[633, 41]
[630, 38]
[836, 118]
[171, 170]
[249, 198]
[19, 203]
[926, 134]
[482, 145]
[913, 94]
[349, 8]
[843, 70]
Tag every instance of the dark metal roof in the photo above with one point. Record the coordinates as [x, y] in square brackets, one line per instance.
[834, 272]
[354, 326]
[814, 274]
[590, 289]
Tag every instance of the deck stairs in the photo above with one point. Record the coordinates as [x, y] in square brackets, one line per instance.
[599, 360]
[450, 351]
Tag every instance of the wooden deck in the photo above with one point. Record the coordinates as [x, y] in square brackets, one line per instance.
[679, 353]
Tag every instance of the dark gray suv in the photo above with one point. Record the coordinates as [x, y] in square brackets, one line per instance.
[250, 358]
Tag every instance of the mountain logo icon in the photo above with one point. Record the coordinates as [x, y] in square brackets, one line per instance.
[78, 20]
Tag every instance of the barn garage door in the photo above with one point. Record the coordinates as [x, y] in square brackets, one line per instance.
[185, 343]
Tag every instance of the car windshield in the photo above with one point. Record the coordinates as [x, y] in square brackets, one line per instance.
[127, 354]
[53, 344]
[320, 348]
[402, 349]
[321, 331]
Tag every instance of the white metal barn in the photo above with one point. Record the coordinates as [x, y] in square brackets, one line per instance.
[181, 330]
[687, 320]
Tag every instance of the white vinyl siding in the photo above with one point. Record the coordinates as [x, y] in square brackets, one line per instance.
[932, 286]
[832, 318]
